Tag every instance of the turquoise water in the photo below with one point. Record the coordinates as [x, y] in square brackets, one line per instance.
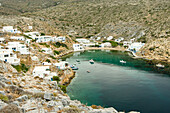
[135, 85]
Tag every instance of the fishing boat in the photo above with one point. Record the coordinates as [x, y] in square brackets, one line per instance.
[78, 60]
[160, 66]
[73, 67]
[91, 61]
[88, 71]
[122, 61]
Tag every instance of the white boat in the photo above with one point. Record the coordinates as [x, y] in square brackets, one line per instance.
[78, 60]
[122, 61]
[91, 61]
[160, 65]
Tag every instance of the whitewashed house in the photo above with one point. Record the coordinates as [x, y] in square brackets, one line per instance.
[106, 44]
[127, 43]
[61, 65]
[46, 64]
[110, 38]
[60, 39]
[30, 27]
[78, 47]
[7, 55]
[2, 40]
[47, 50]
[34, 58]
[119, 39]
[28, 41]
[98, 38]
[82, 40]
[17, 38]
[136, 46]
[17, 46]
[33, 35]
[41, 71]
[10, 29]
[42, 39]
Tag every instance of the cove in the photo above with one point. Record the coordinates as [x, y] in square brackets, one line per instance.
[135, 85]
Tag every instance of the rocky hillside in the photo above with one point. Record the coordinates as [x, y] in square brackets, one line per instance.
[145, 20]
[14, 7]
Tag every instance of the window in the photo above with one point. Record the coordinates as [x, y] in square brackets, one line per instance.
[6, 55]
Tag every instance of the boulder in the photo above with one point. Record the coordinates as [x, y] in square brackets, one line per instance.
[9, 108]
[22, 98]
[48, 96]
[2, 92]
[2, 104]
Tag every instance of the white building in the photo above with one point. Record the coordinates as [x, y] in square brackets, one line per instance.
[127, 43]
[17, 38]
[34, 58]
[119, 39]
[136, 46]
[33, 35]
[110, 38]
[8, 56]
[41, 71]
[47, 50]
[17, 46]
[60, 39]
[2, 40]
[61, 65]
[40, 39]
[28, 41]
[78, 47]
[10, 29]
[46, 64]
[106, 44]
[83, 40]
[98, 38]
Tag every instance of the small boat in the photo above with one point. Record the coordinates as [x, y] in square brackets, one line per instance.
[122, 61]
[88, 71]
[91, 61]
[160, 65]
[78, 60]
[73, 67]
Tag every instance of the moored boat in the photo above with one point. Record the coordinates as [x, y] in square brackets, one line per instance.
[160, 65]
[91, 61]
[122, 61]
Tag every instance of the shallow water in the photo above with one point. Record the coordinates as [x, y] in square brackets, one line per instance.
[135, 85]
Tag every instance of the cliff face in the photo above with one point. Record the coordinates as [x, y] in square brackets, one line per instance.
[158, 49]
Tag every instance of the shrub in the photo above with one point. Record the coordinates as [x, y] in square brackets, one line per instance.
[56, 78]
[52, 57]
[63, 88]
[56, 52]
[42, 34]
[3, 98]
[21, 67]
[48, 61]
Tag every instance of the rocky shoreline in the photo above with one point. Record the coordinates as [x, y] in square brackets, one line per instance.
[23, 93]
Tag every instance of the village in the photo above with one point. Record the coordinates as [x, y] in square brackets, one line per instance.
[32, 61]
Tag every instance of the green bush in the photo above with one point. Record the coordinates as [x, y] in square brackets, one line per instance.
[52, 57]
[21, 67]
[56, 78]
[3, 98]
[56, 52]
[63, 88]
[42, 34]
[58, 44]
[45, 44]
[48, 60]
